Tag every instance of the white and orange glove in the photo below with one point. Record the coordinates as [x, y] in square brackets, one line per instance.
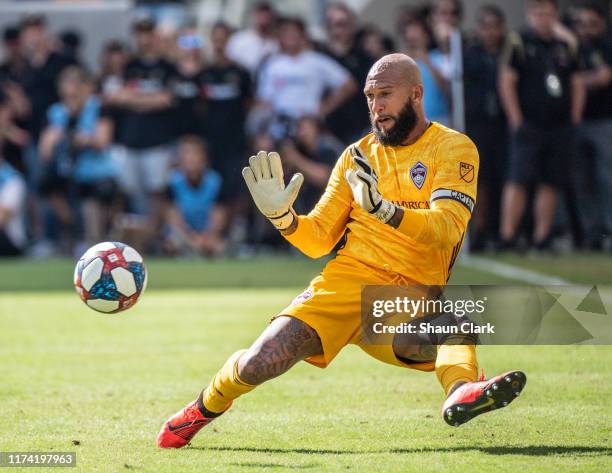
[364, 184]
[266, 183]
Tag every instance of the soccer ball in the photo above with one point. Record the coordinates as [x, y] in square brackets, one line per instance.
[110, 277]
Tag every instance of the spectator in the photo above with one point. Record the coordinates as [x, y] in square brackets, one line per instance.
[71, 42]
[251, 46]
[418, 41]
[445, 19]
[313, 153]
[14, 63]
[41, 72]
[350, 121]
[39, 79]
[447, 12]
[75, 147]
[147, 130]
[113, 60]
[595, 133]
[543, 99]
[374, 42]
[187, 86]
[228, 94]
[11, 71]
[12, 196]
[43, 66]
[485, 120]
[195, 217]
[294, 82]
[408, 14]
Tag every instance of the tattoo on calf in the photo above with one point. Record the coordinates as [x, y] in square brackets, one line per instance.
[272, 355]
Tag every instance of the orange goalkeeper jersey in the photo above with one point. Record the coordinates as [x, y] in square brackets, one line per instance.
[434, 180]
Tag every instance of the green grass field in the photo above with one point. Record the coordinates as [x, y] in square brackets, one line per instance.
[106, 383]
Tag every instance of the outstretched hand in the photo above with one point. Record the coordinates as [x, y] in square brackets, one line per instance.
[265, 181]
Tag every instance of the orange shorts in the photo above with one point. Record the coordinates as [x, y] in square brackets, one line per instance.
[331, 305]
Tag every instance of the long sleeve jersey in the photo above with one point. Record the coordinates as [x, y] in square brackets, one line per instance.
[434, 180]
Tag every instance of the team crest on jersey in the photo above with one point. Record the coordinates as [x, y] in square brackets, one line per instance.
[418, 174]
[303, 297]
[466, 172]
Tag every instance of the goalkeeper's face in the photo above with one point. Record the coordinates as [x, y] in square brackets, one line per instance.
[394, 92]
[393, 130]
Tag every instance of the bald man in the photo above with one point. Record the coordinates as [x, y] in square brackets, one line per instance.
[401, 197]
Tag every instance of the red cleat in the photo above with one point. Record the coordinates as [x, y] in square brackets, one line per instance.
[472, 399]
[182, 426]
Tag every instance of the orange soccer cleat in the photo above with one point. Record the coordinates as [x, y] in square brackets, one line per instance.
[182, 426]
[472, 399]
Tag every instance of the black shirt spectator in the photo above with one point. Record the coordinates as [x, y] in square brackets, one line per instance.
[227, 90]
[151, 128]
[349, 121]
[41, 71]
[187, 86]
[190, 105]
[543, 96]
[39, 83]
[110, 80]
[593, 56]
[12, 67]
[545, 68]
[486, 121]
[480, 85]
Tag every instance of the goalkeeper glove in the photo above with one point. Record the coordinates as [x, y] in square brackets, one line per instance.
[264, 178]
[364, 184]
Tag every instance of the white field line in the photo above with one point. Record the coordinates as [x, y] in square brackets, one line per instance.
[510, 271]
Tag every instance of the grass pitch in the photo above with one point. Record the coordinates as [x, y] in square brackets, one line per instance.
[73, 380]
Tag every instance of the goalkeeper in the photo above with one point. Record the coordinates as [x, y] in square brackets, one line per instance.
[401, 197]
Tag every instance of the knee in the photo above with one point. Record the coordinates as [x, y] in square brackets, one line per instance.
[254, 367]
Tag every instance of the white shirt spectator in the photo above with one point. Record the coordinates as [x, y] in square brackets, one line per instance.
[249, 49]
[12, 199]
[294, 85]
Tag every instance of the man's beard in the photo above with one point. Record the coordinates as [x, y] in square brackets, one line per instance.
[405, 122]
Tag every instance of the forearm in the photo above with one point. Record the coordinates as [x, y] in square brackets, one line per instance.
[441, 81]
[48, 142]
[509, 98]
[5, 215]
[339, 96]
[578, 99]
[436, 227]
[597, 79]
[148, 102]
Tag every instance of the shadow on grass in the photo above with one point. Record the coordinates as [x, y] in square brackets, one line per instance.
[528, 450]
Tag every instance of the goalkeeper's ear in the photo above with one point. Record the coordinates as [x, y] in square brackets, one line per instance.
[293, 188]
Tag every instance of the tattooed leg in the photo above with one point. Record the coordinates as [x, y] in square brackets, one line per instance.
[286, 341]
[411, 348]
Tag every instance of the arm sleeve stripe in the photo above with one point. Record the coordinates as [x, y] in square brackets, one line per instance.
[457, 196]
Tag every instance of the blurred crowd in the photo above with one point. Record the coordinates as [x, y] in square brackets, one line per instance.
[148, 148]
